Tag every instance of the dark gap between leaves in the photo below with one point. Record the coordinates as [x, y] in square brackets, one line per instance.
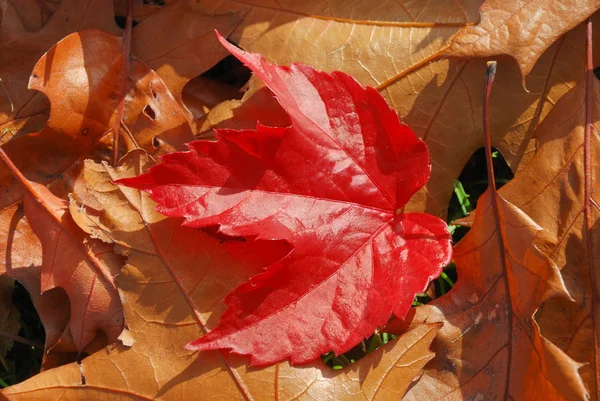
[120, 21]
[224, 81]
[230, 71]
[24, 361]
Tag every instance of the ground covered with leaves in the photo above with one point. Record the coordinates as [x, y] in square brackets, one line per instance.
[287, 200]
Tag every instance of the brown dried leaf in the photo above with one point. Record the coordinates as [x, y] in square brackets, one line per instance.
[440, 101]
[81, 114]
[523, 29]
[201, 94]
[180, 43]
[490, 346]
[372, 42]
[551, 190]
[84, 104]
[176, 41]
[35, 13]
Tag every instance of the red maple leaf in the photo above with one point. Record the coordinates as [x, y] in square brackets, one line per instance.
[332, 185]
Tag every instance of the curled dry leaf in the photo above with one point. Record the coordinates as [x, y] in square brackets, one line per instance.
[490, 347]
[21, 258]
[551, 189]
[171, 289]
[519, 28]
[82, 114]
[83, 267]
[331, 185]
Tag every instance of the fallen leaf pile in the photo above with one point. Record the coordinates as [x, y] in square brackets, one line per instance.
[182, 240]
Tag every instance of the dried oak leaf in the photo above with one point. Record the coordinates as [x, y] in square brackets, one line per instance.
[523, 29]
[171, 288]
[80, 75]
[384, 47]
[331, 185]
[552, 191]
[490, 347]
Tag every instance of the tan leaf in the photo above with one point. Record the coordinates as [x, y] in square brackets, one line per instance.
[372, 42]
[440, 101]
[171, 288]
[180, 43]
[551, 190]
[523, 29]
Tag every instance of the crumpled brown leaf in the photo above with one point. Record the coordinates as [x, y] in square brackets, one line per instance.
[22, 110]
[167, 302]
[82, 114]
[21, 260]
[490, 346]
